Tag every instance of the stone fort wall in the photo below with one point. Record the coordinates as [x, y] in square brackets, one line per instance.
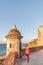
[9, 60]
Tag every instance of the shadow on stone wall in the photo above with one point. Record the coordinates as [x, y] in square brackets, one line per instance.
[34, 49]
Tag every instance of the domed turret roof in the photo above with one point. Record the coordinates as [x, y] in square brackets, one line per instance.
[14, 32]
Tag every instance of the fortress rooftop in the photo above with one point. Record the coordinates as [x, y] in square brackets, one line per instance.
[14, 33]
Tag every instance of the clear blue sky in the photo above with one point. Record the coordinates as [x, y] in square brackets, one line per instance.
[27, 15]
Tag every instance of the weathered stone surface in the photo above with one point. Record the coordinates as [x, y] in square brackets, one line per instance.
[13, 41]
[9, 60]
[40, 36]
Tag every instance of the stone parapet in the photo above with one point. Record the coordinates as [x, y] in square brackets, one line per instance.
[9, 60]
